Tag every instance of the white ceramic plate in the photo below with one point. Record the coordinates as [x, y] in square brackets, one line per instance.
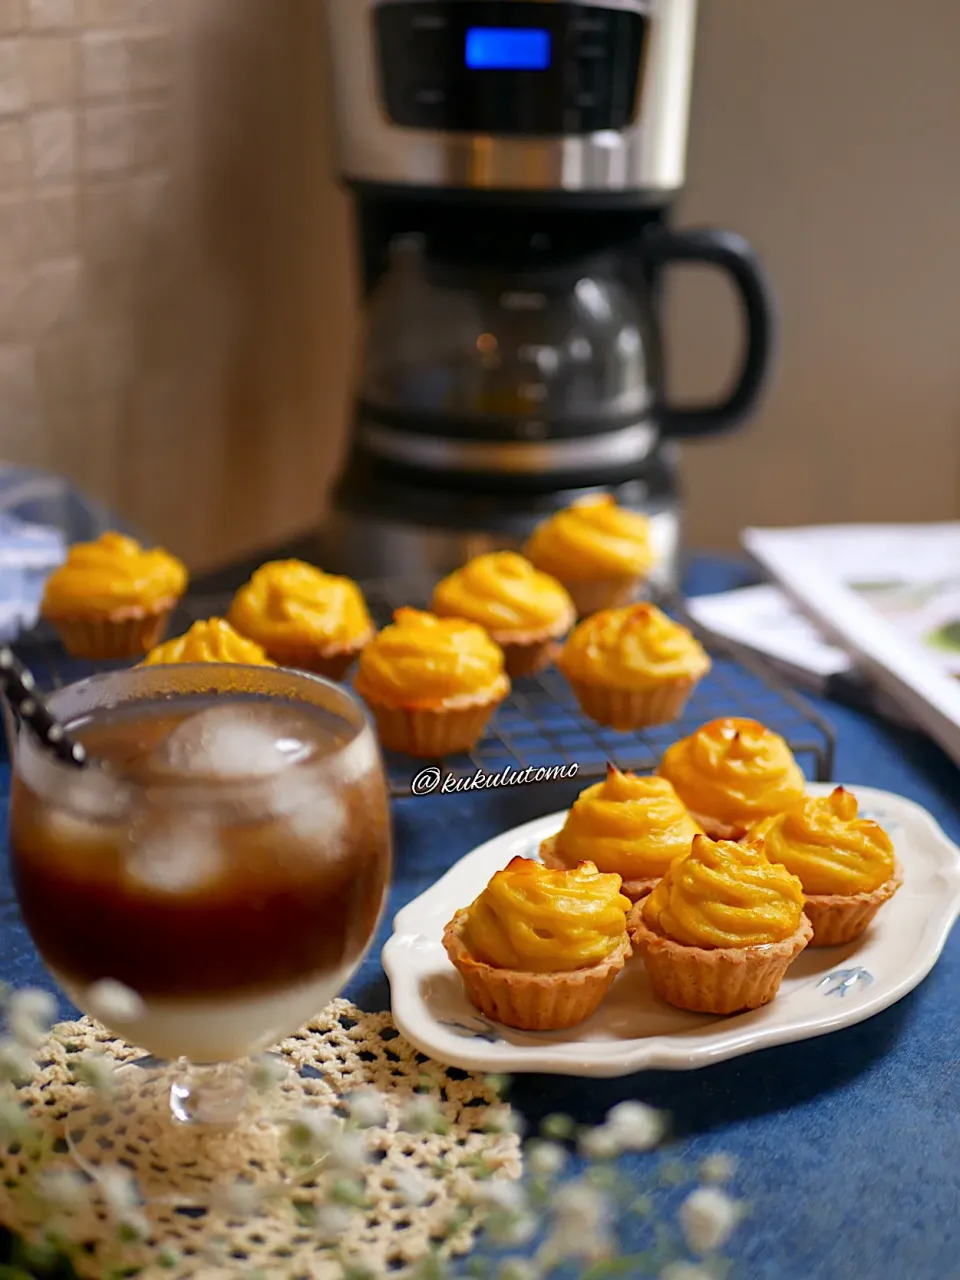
[825, 988]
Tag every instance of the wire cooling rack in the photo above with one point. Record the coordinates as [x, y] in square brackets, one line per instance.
[540, 725]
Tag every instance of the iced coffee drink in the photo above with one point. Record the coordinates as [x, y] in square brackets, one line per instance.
[213, 879]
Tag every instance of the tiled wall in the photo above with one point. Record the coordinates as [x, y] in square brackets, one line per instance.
[174, 279]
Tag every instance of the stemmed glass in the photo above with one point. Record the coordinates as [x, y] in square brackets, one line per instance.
[206, 885]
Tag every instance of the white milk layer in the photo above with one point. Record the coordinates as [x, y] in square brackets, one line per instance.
[208, 1029]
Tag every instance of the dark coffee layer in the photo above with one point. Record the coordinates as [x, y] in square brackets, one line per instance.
[287, 901]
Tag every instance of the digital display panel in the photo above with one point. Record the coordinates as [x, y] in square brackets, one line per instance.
[508, 49]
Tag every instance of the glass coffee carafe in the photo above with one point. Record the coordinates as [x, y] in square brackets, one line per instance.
[551, 366]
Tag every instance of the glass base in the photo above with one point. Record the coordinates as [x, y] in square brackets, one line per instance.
[187, 1136]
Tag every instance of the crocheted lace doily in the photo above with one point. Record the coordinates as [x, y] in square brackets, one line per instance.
[341, 1051]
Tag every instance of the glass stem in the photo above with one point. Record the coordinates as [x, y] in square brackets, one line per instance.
[212, 1095]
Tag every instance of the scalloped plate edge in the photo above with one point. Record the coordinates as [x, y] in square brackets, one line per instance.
[668, 1051]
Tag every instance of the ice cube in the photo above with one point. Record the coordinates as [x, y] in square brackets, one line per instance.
[174, 854]
[234, 742]
[94, 793]
[318, 818]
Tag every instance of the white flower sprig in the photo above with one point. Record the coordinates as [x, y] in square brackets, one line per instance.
[573, 1207]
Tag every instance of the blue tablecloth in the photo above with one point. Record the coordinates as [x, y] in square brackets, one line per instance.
[848, 1145]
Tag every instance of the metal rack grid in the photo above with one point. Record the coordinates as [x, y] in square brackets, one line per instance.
[540, 724]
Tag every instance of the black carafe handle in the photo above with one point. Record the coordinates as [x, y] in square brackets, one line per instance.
[733, 254]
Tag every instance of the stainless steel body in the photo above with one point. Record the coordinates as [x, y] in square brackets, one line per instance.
[513, 164]
[361, 545]
[376, 531]
[648, 155]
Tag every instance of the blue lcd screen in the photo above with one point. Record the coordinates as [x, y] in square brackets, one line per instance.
[507, 49]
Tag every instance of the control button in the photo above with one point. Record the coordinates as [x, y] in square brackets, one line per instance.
[430, 97]
[427, 50]
[592, 77]
[591, 19]
[592, 52]
[428, 22]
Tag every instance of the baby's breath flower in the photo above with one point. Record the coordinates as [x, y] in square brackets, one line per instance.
[348, 1193]
[432, 1267]
[312, 1129]
[14, 1121]
[545, 1159]
[132, 1227]
[604, 1176]
[519, 1269]
[412, 1189]
[119, 1191]
[708, 1217]
[686, 1271]
[501, 1119]
[240, 1200]
[367, 1110]
[497, 1084]
[168, 1258]
[348, 1152]
[62, 1189]
[30, 1013]
[636, 1126]
[16, 1064]
[718, 1168]
[95, 1070]
[111, 1002]
[559, 1128]
[510, 1229]
[332, 1222]
[422, 1115]
[499, 1195]
[600, 1143]
[581, 1227]
[324, 1136]
[265, 1072]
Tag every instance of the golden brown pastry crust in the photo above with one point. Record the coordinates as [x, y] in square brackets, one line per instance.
[626, 709]
[433, 732]
[127, 633]
[330, 660]
[532, 1001]
[838, 918]
[721, 980]
[527, 652]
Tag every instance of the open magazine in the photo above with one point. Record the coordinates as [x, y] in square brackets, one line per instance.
[885, 601]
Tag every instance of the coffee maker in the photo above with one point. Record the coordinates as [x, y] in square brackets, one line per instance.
[513, 165]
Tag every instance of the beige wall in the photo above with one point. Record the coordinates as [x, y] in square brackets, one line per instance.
[176, 282]
[828, 133]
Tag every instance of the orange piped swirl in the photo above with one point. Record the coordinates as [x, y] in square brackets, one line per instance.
[828, 846]
[503, 592]
[211, 641]
[593, 538]
[734, 771]
[636, 648]
[112, 575]
[290, 602]
[424, 661]
[723, 894]
[537, 920]
[635, 826]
